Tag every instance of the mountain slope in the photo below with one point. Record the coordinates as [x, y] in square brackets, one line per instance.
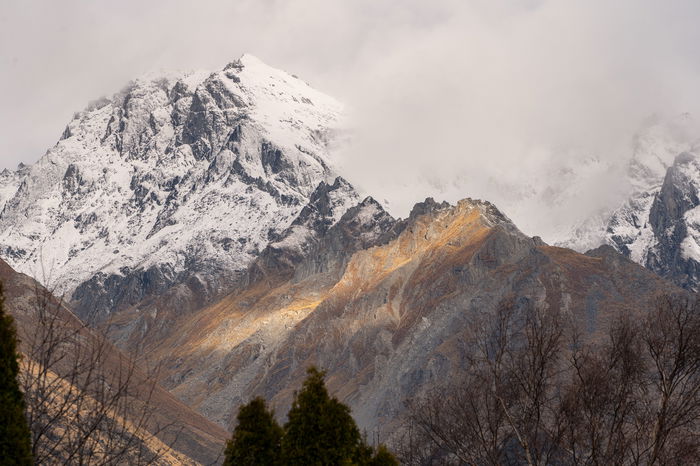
[385, 310]
[138, 328]
[194, 439]
[175, 180]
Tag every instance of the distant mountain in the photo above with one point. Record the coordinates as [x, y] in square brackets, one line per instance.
[176, 182]
[653, 150]
[661, 228]
[657, 226]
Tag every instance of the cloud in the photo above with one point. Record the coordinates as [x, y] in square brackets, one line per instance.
[485, 98]
[534, 108]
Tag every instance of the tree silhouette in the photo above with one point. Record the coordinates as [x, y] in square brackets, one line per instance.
[256, 439]
[15, 447]
[320, 429]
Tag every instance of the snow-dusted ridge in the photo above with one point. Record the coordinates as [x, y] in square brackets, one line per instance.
[658, 225]
[186, 173]
[625, 226]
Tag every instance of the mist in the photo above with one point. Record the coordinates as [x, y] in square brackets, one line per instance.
[530, 104]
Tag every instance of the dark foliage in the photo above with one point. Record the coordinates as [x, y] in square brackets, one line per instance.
[319, 431]
[15, 447]
[256, 439]
[383, 457]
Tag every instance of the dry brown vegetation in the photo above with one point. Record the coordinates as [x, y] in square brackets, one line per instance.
[86, 403]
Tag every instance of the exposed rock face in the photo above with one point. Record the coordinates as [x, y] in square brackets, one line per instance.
[284, 252]
[675, 220]
[177, 182]
[194, 439]
[363, 226]
[656, 225]
[384, 305]
[324, 235]
[660, 227]
[625, 225]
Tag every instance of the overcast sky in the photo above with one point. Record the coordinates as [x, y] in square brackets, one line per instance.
[481, 89]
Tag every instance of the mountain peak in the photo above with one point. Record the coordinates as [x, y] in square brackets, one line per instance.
[488, 212]
[248, 59]
[182, 174]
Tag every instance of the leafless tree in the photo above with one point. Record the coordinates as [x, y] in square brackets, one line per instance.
[501, 411]
[87, 403]
[672, 338]
[636, 398]
[538, 391]
[600, 405]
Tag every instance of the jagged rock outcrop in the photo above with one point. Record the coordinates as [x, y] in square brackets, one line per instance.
[284, 252]
[655, 226]
[659, 229]
[675, 221]
[331, 227]
[172, 186]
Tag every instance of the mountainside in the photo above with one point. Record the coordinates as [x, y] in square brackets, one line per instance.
[656, 226]
[176, 181]
[383, 305]
[663, 233]
[194, 439]
[653, 150]
[137, 331]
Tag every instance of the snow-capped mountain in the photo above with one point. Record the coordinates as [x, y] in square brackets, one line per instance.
[652, 151]
[9, 182]
[656, 227]
[660, 228]
[177, 177]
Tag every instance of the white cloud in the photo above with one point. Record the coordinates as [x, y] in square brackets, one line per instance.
[484, 98]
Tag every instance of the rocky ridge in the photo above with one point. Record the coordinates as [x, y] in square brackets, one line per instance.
[387, 317]
[176, 181]
[656, 227]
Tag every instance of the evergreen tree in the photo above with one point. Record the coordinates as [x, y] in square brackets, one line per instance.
[383, 457]
[320, 429]
[367, 456]
[15, 439]
[256, 439]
